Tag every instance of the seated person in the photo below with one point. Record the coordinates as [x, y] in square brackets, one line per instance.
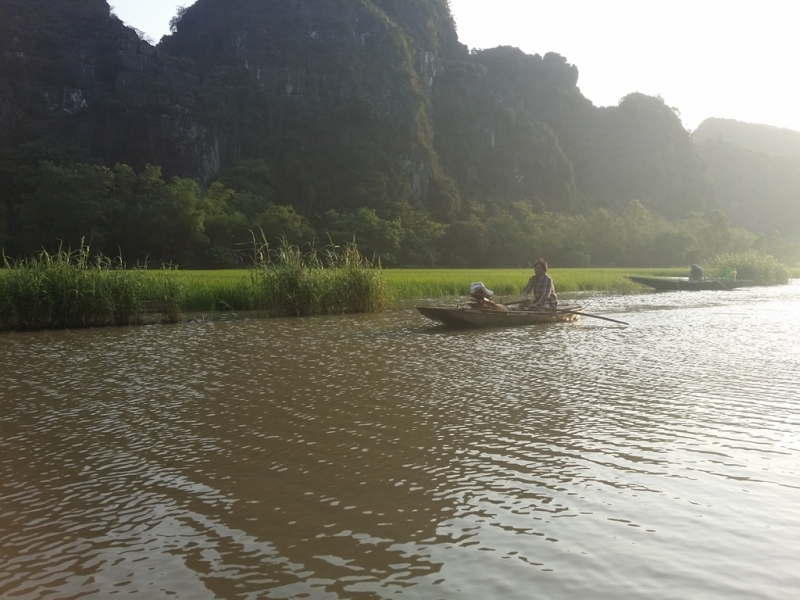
[541, 284]
[695, 273]
[479, 291]
[483, 296]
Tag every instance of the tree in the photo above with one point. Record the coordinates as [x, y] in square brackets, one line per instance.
[226, 228]
[376, 238]
[181, 218]
[4, 232]
[254, 183]
[68, 204]
[507, 241]
[281, 222]
[174, 21]
[465, 243]
[420, 244]
[158, 221]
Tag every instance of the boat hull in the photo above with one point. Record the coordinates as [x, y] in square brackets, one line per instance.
[684, 284]
[476, 317]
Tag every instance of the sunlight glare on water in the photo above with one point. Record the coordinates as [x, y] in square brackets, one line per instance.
[382, 456]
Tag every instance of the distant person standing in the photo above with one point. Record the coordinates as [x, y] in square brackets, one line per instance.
[544, 293]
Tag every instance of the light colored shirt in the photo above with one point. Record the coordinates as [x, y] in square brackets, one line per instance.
[543, 290]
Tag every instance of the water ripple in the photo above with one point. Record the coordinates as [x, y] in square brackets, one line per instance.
[379, 455]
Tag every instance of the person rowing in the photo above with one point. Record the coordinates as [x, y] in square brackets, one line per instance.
[696, 273]
[541, 284]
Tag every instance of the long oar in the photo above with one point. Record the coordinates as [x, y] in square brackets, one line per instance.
[573, 312]
[583, 314]
[724, 287]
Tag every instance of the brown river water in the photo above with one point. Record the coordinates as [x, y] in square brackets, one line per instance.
[382, 456]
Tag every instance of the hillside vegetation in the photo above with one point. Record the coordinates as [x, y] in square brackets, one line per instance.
[349, 120]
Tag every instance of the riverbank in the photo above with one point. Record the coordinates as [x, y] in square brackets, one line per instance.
[406, 284]
[189, 293]
[214, 290]
[74, 289]
[225, 290]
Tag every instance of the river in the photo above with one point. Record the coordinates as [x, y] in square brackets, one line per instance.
[382, 456]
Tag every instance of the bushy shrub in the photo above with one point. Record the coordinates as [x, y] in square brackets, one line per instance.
[759, 267]
[336, 279]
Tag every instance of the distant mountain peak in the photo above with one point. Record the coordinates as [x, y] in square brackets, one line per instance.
[776, 141]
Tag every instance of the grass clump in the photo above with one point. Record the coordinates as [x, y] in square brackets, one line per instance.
[762, 268]
[336, 279]
[73, 289]
[290, 281]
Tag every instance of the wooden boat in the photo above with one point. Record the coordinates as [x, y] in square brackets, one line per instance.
[472, 316]
[684, 283]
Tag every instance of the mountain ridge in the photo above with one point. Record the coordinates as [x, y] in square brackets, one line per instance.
[776, 141]
[335, 107]
[301, 84]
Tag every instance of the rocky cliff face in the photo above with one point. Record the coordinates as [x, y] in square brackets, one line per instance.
[50, 54]
[348, 102]
[342, 85]
[73, 72]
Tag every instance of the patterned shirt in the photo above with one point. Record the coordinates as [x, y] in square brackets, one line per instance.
[543, 290]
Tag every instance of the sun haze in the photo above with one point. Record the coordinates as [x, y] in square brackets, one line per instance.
[708, 58]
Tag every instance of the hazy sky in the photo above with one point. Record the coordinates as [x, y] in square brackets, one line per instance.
[737, 59]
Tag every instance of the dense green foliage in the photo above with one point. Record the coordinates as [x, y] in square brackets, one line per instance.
[288, 281]
[71, 289]
[151, 221]
[333, 280]
[762, 268]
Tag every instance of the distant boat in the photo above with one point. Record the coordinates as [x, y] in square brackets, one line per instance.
[483, 317]
[684, 283]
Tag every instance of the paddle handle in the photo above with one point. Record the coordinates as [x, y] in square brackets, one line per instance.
[724, 287]
[583, 314]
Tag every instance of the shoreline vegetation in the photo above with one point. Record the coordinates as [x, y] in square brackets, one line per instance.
[75, 289]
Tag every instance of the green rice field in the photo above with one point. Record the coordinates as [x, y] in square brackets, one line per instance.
[210, 290]
[232, 290]
[217, 289]
[435, 283]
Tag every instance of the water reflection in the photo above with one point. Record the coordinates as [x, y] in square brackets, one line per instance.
[378, 455]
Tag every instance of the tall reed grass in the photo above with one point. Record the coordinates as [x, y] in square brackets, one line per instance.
[288, 280]
[334, 279]
[762, 268]
[73, 289]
